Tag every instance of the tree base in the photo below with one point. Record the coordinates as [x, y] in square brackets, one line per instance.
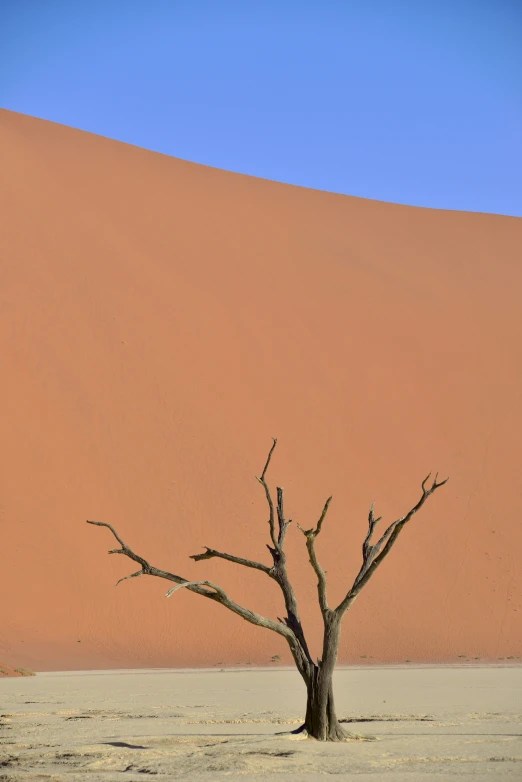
[336, 734]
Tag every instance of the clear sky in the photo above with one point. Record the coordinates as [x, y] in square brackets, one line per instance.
[413, 101]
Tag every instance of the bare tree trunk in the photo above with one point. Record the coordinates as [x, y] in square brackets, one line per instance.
[321, 721]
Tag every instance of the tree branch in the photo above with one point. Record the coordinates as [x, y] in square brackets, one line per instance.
[310, 535]
[195, 583]
[132, 575]
[283, 524]
[279, 571]
[373, 554]
[290, 626]
[277, 539]
[262, 481]
[210, 553]
[198, 587]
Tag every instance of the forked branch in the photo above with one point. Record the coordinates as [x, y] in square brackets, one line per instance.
[278, 572]
[373, 554]
[262, 481]
[289, 627]
[204, 588]
[310, 535]
[278, 538]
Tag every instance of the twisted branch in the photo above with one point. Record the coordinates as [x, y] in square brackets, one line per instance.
[373, 554]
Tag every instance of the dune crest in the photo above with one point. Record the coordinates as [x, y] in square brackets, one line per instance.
[160, 321]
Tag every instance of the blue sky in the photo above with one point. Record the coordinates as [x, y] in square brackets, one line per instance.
[417, 102]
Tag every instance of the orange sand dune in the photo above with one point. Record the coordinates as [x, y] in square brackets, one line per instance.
[160, 321]
[8, 670]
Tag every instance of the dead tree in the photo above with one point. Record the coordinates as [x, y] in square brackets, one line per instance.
[320, 721]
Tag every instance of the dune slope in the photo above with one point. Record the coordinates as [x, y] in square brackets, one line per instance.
[8, 671]
[160, 321]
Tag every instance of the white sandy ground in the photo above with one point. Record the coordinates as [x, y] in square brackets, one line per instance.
[432, 723]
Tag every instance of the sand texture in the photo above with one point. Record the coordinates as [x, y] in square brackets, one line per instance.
[160, 321]
[429, 724]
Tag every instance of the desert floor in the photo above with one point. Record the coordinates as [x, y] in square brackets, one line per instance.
[431, 723]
